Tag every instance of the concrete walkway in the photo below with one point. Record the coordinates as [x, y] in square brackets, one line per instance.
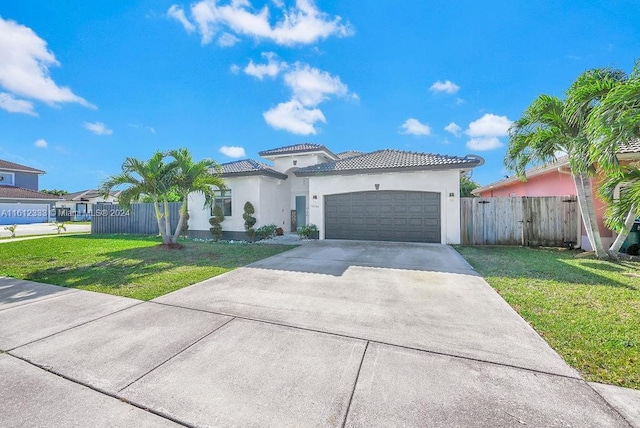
[328, 334]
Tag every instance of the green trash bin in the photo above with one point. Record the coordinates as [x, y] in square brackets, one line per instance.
[632, 244]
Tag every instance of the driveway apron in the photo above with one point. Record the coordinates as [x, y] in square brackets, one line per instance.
[332, 333]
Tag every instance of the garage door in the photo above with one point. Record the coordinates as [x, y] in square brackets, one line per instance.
[383, 216]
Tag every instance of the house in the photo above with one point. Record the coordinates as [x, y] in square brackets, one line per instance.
[20, 200]
[387, 195]
[81, 205]
[554, 179]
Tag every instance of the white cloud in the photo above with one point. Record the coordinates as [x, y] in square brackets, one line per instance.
[41, 143]
[235, 68]
[454, 129]
[294, 117]
[272, 68]
[485, 131]
[489, 125]
[413, 127]
[226, 40]
[447, 86]
[176, 12]
[13, 105]
[24, 70]
[233, 151]
[98, 128]
[484, 143]
[301, 24]
[311, 86]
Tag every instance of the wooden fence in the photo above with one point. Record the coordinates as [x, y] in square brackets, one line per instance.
[140, 219]
[529, 221]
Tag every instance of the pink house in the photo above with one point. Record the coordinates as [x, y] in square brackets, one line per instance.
[555, 180]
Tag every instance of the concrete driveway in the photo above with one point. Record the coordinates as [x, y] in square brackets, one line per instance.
[328, 334]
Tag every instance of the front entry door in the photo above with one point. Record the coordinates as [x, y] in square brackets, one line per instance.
[301, 211]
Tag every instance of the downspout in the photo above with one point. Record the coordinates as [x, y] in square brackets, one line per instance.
[567, 171]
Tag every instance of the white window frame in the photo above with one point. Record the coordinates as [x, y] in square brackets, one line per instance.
[3, 178]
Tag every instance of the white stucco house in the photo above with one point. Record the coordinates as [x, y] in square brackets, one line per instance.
[386, 195]
[81, 205]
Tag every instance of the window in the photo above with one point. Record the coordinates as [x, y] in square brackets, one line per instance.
[223, 200]
[7, 179]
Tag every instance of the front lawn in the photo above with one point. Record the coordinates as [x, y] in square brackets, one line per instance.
[588, 310]
[131, 266]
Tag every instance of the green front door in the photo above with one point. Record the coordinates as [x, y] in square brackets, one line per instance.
[301, 210]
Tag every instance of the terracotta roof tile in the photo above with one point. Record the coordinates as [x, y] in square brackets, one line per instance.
[12, 192]
[10, 166]
[296, 148]
[389, 160]
[249, 167]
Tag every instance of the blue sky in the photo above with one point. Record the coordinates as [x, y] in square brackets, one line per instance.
[85, 84]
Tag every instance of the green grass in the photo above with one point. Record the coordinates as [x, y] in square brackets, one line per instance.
[587, 310]
[130, 266]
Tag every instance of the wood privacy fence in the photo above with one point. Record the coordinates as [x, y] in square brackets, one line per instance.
[529, 221]
[139, 220]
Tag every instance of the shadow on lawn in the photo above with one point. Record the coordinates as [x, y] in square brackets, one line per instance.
[545, 264]
[123, 268]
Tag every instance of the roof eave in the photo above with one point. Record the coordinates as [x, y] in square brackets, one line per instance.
[301, 173]
[266, 155]
[273, 174]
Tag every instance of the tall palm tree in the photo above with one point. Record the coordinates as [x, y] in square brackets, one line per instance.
[193, 177]
[613, 123]
[538, 136]
[151, 178]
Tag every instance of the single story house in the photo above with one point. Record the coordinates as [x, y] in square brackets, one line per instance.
[387, 195]
[20, 200]
[555, 179]
[81, 205]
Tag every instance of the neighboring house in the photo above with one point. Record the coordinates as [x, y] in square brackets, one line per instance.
[555, 180]
[20, 200]
[81, 205]
[387, 195]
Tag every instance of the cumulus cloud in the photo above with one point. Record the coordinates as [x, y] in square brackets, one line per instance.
[413, 127]
[13, 105]
[484, 144]
[447, 87]
[302, 23]
[233, 151]
[294, 117]
[485, 131]
[176, 12]
[98, 128]
[41, 143]
[272, 68]
[24, 71]
[489, 125]
[453, 128]
[311, 86]
[226, 40]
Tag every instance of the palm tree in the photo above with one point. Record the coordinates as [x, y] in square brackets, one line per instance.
[150, 178]
[537, 137]
[193, 177]
[551, 125]
[615, 122]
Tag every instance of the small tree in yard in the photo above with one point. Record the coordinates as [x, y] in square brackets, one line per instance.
[160, 181]
[249, 220]
[216, 222]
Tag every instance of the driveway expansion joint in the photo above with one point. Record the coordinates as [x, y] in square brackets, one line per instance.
[355, 384]
[75, 326]
[175, 355]
[368, 340]
[102, 391]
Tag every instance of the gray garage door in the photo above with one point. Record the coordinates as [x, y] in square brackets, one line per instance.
[383, 216]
